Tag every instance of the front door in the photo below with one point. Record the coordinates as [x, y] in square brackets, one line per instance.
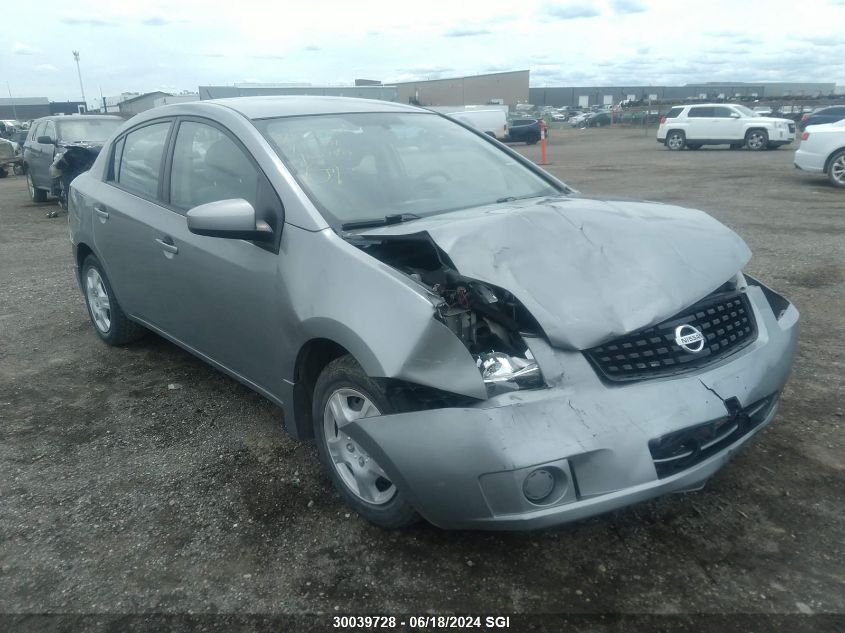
[220, 295]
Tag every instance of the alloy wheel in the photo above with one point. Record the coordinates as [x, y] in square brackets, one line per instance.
[359, 472]
[837, 170]
[98, 300]
[756, 140]
[675, 141]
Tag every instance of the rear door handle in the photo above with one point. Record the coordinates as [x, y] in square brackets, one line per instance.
[167, 245]
[101, 211]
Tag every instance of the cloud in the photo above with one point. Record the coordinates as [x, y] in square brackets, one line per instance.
[570, 11]
[156, 20]
[74, 21]
[825, 40]
[311, 48]
[267, 56]
[628, 6]
[46, 68]
[463, 32]
[20, 48]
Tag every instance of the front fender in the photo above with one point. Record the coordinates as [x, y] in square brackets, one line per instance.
[383, 318]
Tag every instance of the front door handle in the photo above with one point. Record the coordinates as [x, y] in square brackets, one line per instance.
[167, 245]
[101, 211]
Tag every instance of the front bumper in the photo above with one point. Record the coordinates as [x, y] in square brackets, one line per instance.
[466, 468]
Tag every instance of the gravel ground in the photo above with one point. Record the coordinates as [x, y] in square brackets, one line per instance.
[139, 479]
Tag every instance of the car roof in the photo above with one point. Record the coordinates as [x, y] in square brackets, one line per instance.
[299, 105]
[78, 117]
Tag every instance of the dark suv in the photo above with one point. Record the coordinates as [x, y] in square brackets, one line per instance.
[52, 135]
[527, 130]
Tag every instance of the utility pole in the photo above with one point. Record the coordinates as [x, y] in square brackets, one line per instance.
[12, 99]
[79, 74]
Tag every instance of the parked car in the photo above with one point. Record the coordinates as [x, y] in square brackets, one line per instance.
[822, 150]
[491, 122]
[51, 135]
[763, 111]
[578, 120]
[598, 119]
[722, 124]
[830, 114]
[524, 130]
[9, 158]
[395, 282]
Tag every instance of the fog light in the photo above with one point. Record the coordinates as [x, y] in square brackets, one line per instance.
[538, 485]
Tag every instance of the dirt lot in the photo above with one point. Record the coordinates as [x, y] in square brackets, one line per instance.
[142, 480]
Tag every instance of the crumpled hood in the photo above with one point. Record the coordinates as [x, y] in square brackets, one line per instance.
[588, 270]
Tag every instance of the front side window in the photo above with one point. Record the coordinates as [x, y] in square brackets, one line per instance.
[91, 130]
[50, 130]
[140, 161]
[745, 111]
[209, 166]
[722, 113]
[364, 166]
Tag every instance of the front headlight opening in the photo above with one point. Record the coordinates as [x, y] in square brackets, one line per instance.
[502, 372]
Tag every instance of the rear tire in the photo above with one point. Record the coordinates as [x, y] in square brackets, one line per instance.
[836, 169]
[675, 140]
[3, 173]
[109, 321]
[35, 194]
[757, 140]
[355, 475]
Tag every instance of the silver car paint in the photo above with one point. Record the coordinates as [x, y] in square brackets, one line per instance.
[250, 311]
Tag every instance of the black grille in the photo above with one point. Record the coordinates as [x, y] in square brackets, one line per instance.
[679, 450]
[726, 320]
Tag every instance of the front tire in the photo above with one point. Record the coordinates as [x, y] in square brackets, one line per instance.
[35, 194]
[757, 140]
[836, 169]
[675, 140]
[109, 321]
[344, 393]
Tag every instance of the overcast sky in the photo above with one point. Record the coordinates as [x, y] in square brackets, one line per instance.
[131, 45]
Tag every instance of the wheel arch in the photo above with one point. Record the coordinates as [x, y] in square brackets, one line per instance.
[830, 156]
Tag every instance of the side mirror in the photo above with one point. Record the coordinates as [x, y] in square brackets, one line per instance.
[734, 115]
[233, 219]
[45, 140]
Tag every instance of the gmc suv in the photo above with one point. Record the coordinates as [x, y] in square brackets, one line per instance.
[722, 124]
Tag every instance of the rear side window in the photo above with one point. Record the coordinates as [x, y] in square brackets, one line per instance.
[140, 161]
[673, 113]
[209, 166]
[700, 112]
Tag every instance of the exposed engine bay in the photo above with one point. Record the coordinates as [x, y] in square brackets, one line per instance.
[489, 320]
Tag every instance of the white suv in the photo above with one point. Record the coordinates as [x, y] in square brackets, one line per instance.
[722, 124]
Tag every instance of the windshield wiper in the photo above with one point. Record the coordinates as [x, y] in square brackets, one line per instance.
[395, 218]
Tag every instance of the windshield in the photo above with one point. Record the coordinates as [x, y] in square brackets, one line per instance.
[745, 111]
[365, 166]
[87, 130]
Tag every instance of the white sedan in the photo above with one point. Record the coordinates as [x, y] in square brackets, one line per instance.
[822, 150]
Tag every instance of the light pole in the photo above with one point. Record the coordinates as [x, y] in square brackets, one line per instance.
[12, 99]
[79, 74]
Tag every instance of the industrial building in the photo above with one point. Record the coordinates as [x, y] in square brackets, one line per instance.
[505, 88]
[385, 93]
[584, 96]
[28, 108]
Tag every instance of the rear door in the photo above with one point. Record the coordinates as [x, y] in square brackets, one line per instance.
[127, 205]
[700, 123]
[220, 296]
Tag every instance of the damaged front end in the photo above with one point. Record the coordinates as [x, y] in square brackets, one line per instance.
[71, 159]
[607, 411]
[489, 321]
